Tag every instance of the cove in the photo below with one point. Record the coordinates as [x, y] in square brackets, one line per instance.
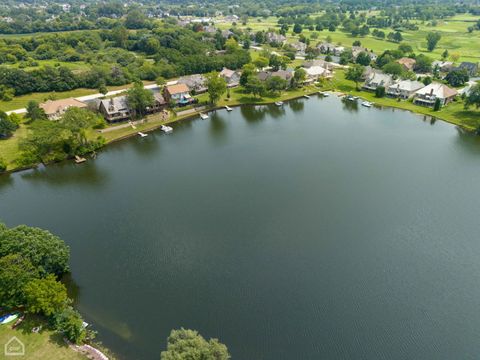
[316, 230]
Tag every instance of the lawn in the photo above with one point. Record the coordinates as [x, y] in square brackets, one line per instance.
[38, 346]
[453, 113]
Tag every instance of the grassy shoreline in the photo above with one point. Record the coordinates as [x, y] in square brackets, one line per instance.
[453, 113]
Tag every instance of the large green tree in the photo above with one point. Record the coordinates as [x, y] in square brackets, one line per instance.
[432, 39]
[190, 345]
[216, 87]
[7, 125]
[34, 112]
[139, 99]
[15, 272]
[355, 74]
[47, 252]
[45, 296]
[69, 323]
[473, 97]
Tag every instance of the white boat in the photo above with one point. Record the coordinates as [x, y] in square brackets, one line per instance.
[141, 134]
[351, 98]
[367, 104]
[166, 129]
[279, 103]
[325, 94]
[306, 96]
[204, 116]
[228, 108]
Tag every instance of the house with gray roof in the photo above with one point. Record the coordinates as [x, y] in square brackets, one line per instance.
[377, 79]
[471, 68]
[196, 83]
[404, 89]
[115, 109]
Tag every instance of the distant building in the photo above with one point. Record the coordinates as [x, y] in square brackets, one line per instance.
[273, 37]
[404, 89]
[54, 109]
[356, 50]
[284, 74]
[196, 83]
[328, 48]
[444, 66]
[428, 95]
[407, 63]
[377, 79]
[232, 77]
[299, 48]
[471, 68]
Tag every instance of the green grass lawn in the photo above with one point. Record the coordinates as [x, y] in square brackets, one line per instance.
[38, 346]
[74, 66]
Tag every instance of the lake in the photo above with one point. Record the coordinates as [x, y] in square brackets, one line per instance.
[318, 230]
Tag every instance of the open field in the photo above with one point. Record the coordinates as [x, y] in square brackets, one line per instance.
[38, 346]
[455, 37]
[74, 66]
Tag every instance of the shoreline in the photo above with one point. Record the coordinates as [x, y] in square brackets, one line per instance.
[155, 126]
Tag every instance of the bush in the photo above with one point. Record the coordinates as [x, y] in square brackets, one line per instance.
[3, 165]
[437, 105]
[69, 323]
[380, 92]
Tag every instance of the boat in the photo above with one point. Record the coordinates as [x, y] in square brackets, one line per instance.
[141, 134]
[351, 98]
[324, 93]
[228, 108]
[306, 96]
[166, 129]
[79, 159]
[367, 104]
[279, 103]
[204, 116]
[8, 318]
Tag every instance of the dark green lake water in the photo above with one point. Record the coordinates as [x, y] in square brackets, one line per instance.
[313, 231]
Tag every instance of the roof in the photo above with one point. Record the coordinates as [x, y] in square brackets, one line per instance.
[407, 85]
[116, 104]
[284, 74]
[407, 62]
[227, 72]
[159, 98]
[54, 106]
[316, 70]
[177, 89]
[438, 90]
[380, 79]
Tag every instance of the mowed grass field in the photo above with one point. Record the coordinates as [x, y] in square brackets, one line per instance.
[38, 346]
[454, 32]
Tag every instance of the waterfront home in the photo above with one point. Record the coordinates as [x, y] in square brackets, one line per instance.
[428, 95]
[444, 66]
[284, 74]
[369, 71]
[404, 89]
[377, 79]
[316, 72]
[159, 103]
[178, 94]
[469, 67]
[407, 63]
[275, 38]
[356, 50]
[232, 77]
[196, 83]
[115, 109]
[54, 109]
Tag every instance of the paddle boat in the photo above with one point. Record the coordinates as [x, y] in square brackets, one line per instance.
[367, 104]
[79, 159]
[279, 103]
[306, 96]
[228, 108]
[204, 116]
[141, 134]
[166, 129]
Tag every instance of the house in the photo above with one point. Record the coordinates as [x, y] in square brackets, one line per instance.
[356, 50]
[226, 34]
[232, 77]
[444, 66]
[284, 74]
[196, 83]
[159, 103]
[115, 109]
[324, 64]
[404, 89]
[428, 95]
[377, 79]
[178, 94]
[54, 109]
[471, 68]
[407, 63]
[316, 72]
[210, 29]
[299, 48]
[369, 71]
[327, 48]
[272, 37]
